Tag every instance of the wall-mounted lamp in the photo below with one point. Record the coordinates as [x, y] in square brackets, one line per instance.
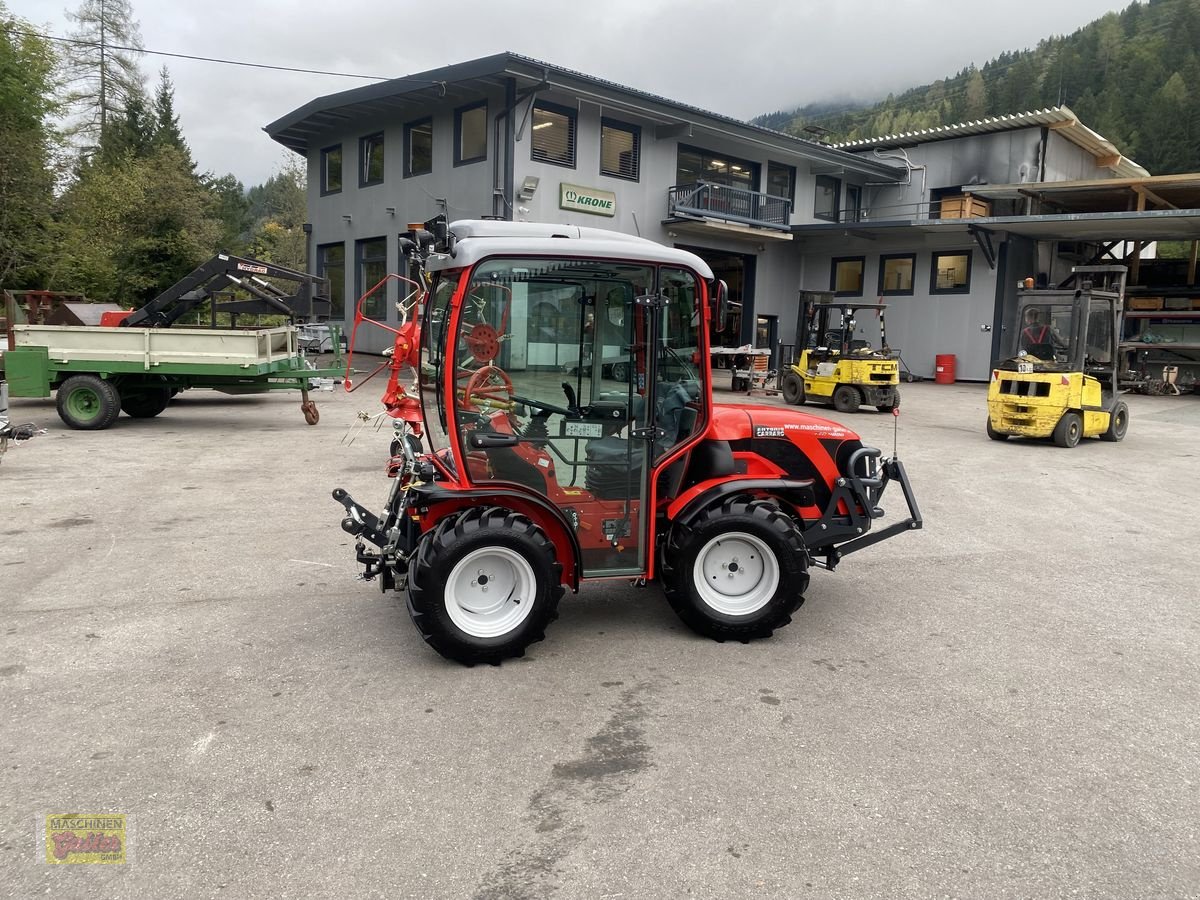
[347, 219]
[390, 210]
[528, 188]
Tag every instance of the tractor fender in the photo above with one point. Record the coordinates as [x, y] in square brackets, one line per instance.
[539, 510]
[797, 492]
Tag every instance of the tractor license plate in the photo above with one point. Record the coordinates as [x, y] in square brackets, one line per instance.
[1024, 368]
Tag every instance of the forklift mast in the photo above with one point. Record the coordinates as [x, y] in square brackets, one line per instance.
[225, 272]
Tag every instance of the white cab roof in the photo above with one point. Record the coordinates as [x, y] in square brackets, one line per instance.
[479, 238]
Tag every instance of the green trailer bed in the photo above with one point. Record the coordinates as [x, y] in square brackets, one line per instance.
[97, 372]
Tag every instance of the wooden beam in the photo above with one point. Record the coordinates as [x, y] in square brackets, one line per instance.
[1192, 263]
[1108, 162]
[1058, 126]
[1144, 191]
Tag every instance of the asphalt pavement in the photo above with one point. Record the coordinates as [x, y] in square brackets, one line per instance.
[1003, 705]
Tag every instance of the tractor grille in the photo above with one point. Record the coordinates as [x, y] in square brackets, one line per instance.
[1024, 388]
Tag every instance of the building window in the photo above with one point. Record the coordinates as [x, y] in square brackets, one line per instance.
[828, 191]
[470, 134]
[846, 276]
[781, 181]
[331, 169]
[853, 205]
[620, 149]
[331, 264]
[553, 134]
[950, 273]
[418, 148]
[896, 274]
[370, 155]
[371, 258]
[695, 165]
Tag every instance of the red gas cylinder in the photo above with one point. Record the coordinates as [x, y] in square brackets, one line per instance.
[944, 366]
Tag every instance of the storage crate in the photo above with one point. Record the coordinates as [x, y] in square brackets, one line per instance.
[965, 207]
[1178, 303]
[1144, 303]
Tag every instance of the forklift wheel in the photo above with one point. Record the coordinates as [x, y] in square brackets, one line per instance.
[737, 572]
[993, 433]
[793, 389]
[1118, 422]
[483, 586]
[1069, 430]
[846, 398]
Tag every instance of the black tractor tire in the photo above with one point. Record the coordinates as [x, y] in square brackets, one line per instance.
[88, 402]
[1118, 423]
[743, 539]
[1069, 429]
[449, 604]
[994, 434]
[846, 398]
[891, 404]
[145, 402]
[793, 389]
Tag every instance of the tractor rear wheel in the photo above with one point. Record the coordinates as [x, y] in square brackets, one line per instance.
[846, 398]
[1118, 423]
[793, 389]
[737, 572]
[1069, 429]
[483, 586]
[88, 402]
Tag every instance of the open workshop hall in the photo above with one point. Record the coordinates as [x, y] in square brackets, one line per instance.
[1001, 704]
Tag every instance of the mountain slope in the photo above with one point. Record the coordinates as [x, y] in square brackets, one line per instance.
[1132, 76]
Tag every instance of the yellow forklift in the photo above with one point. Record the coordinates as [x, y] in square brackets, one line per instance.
[836, 367]
[1058, 374]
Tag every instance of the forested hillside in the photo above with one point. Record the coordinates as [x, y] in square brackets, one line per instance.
[1132, 76]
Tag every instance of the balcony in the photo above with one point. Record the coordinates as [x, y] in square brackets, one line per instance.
[702, 200]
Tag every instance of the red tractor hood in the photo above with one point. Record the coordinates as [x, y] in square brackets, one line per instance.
[733, 423]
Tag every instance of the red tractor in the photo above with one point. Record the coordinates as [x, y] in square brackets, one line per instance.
[525, 464]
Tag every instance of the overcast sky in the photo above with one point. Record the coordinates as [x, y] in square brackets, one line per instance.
[737, 58]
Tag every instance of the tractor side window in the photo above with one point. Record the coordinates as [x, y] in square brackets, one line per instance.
[1099, 333]
[680, 372]
[433, 352]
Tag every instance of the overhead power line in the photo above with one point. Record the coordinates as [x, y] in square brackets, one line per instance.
[210, 59]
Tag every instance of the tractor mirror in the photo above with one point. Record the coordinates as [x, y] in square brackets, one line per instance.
[720, 305]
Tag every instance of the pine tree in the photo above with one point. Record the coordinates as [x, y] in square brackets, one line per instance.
[166, 122]
[100, 68]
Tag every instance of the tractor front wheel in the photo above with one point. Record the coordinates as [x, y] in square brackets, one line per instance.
[483, 586]
[737, 572]
[846, 398]
[1069, 429]
[88, 402]
[793, 389]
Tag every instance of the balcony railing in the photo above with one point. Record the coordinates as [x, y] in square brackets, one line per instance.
[719, 201]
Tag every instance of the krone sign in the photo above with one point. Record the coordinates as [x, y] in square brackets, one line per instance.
[588, 200]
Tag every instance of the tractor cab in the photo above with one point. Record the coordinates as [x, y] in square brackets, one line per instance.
[1057, 376]
[836, 363]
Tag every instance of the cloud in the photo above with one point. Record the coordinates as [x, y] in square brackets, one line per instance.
[741, 60]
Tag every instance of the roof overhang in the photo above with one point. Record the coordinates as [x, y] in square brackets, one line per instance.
[1103, 194]
[465, 81]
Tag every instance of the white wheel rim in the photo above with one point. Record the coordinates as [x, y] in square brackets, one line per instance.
[490, 592]
[736, 574]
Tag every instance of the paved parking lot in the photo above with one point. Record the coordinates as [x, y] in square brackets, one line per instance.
[1002, 705]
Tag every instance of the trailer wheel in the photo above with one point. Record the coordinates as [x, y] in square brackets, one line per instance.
[737, 572]
[793, 389]
[145, 402]
[1069, 429]
[88, 402]
[1118, 423]
[846, 398]
[483, 586]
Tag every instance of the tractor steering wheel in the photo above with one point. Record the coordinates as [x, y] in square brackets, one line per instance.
[489, 387]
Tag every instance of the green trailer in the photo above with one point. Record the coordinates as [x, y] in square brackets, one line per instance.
[97, 372]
